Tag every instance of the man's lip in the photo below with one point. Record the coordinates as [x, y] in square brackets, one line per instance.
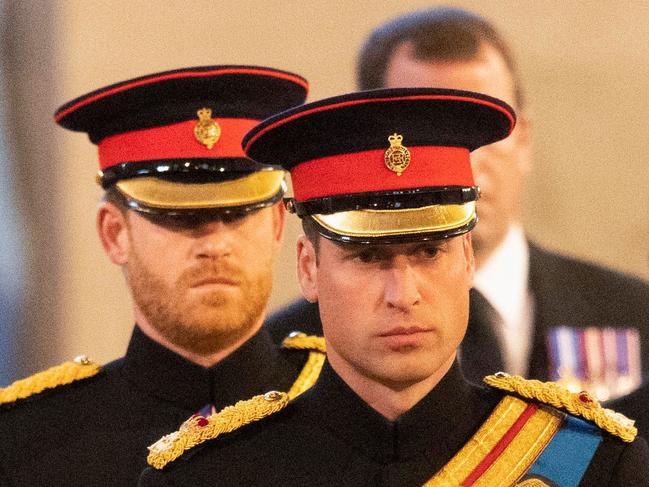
[214, 281]
[402, 330]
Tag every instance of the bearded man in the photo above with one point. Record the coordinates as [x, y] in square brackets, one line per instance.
[195, 227]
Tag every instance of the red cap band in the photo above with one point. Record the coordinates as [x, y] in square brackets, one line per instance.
[362, 172]
[175, 141]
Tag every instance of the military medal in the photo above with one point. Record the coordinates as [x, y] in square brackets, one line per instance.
[207, 130]
[396, 157]
[604, 360]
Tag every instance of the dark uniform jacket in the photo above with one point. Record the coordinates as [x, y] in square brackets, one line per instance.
[330, 437]
[566, 292]
[95, 432]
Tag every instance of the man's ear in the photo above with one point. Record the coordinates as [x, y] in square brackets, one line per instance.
[523, 137]
[279, 217]
[113, 232]
[468, 255]
[307, 269]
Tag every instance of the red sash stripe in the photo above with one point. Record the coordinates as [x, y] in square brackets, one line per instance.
[506, 439]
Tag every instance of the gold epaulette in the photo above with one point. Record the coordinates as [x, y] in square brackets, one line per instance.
[198, 429]
[66, 373]
[311, 370]
[580, 404]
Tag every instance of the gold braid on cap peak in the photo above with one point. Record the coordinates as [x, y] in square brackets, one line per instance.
[580, 404]
[199, 429]
[66, 373]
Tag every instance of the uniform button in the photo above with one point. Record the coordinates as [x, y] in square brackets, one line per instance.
[273, 396]
[82, 360]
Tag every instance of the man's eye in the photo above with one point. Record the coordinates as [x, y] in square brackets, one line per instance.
[430, 251]
[367, 256]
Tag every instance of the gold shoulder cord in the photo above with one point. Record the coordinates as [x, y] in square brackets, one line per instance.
[313, 365]
[66, 373]
[580, 404]
[199, 429]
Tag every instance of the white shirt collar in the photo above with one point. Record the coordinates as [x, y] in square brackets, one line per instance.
[503, 281]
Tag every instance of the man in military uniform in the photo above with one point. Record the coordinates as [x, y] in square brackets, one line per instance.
[383, 182]
[533, 312]
[195, 227]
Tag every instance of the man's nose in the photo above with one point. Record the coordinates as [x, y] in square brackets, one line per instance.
[401, 287]
[214, 240]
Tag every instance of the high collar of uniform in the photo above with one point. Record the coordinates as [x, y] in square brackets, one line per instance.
[433, 427]
[251, 369]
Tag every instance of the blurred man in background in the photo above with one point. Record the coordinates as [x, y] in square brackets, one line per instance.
[533, 312]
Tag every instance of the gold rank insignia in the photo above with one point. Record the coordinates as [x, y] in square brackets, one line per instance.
[396, 157]
[207, 130]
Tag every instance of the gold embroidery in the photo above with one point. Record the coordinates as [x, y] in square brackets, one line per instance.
[519, 455]
[301, 341]
[199, 429]
[66, 373]
[533, 483]
[580, 404]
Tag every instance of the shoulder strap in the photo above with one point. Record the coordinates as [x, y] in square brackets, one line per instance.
[66, 373]
[580, 404]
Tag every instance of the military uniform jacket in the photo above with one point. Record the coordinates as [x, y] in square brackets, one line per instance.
[566, 292]
[330, 437]
[95, 432]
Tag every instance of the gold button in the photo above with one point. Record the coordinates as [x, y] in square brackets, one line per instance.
[82, 360]
[273, 396]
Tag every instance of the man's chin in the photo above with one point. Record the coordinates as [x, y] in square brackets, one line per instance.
[207, 339]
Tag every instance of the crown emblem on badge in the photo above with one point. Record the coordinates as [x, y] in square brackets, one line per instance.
[207, 131]
[396, 157]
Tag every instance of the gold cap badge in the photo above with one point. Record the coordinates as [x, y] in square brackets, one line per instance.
[396, 157]
[207, 131]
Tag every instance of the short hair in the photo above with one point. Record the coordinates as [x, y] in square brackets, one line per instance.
[438, 34]
[114, 196]
[310, 229]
